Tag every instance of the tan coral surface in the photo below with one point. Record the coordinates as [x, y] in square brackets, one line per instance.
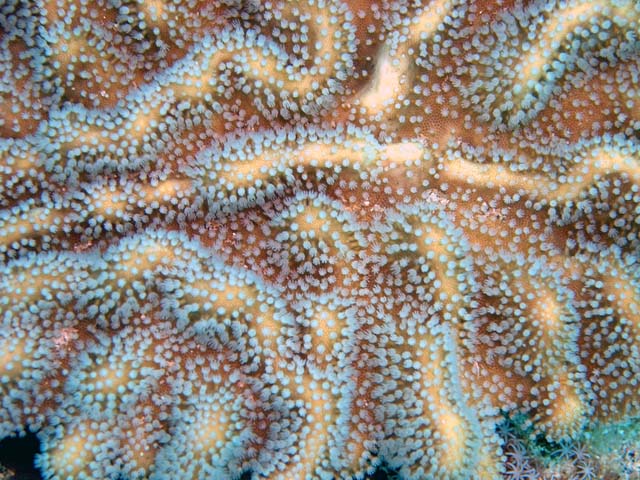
[301, 239]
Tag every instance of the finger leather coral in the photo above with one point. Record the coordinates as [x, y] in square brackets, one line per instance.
[318, 238]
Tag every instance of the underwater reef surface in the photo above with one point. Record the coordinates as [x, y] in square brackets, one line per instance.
[312, 239]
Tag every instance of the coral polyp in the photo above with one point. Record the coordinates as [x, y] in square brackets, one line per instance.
[315, 238]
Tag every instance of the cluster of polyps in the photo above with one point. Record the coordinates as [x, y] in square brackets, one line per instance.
[302, 239]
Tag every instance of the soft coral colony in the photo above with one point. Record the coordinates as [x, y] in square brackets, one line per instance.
[301, 239]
